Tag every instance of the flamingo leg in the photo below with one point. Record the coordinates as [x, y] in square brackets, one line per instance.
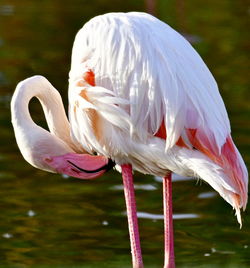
[132, 215]
[169, 261]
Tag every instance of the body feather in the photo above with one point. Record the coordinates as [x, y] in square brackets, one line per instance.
[140, 94]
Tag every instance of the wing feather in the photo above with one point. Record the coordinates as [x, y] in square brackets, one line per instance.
[152, 82]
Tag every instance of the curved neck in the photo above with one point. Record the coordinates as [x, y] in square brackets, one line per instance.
[51, 102]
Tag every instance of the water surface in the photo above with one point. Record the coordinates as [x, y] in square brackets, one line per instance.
[47, 220]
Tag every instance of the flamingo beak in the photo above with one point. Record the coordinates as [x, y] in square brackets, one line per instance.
[82, 166]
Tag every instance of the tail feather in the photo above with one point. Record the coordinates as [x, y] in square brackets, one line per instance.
[206, 169]
[230, 160]
[222, 166]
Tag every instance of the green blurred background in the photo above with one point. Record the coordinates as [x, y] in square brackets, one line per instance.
[50, 221]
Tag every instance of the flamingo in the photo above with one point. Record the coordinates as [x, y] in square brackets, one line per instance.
[140, 96]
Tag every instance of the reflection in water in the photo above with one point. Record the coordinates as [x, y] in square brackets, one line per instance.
[7, 235]
[31, 213]
[6, 10]
[207, 195]
[145, 187]
[213, 250]
[145, 215]
[175, 178]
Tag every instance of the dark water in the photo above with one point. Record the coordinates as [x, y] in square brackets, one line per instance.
[50, 221]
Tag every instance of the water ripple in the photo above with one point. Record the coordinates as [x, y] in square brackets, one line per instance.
[7, 235]
[6, 10]
[214, 250]
[176, 216]
[31, 213]
[146, 187]
[207, 195]
[175, 178]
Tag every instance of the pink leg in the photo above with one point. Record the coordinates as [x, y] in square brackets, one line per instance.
[168, 223]
[132, 216]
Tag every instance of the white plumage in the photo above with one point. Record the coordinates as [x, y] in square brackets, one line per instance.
[148, 76]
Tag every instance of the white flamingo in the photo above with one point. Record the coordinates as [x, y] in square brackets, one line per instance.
[139, 94]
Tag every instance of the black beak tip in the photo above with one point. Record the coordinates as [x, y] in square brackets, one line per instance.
[110, 164]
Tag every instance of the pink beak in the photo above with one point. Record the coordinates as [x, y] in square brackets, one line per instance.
[82, 166]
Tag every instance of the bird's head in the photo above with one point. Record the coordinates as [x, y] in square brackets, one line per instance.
[82, 166]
